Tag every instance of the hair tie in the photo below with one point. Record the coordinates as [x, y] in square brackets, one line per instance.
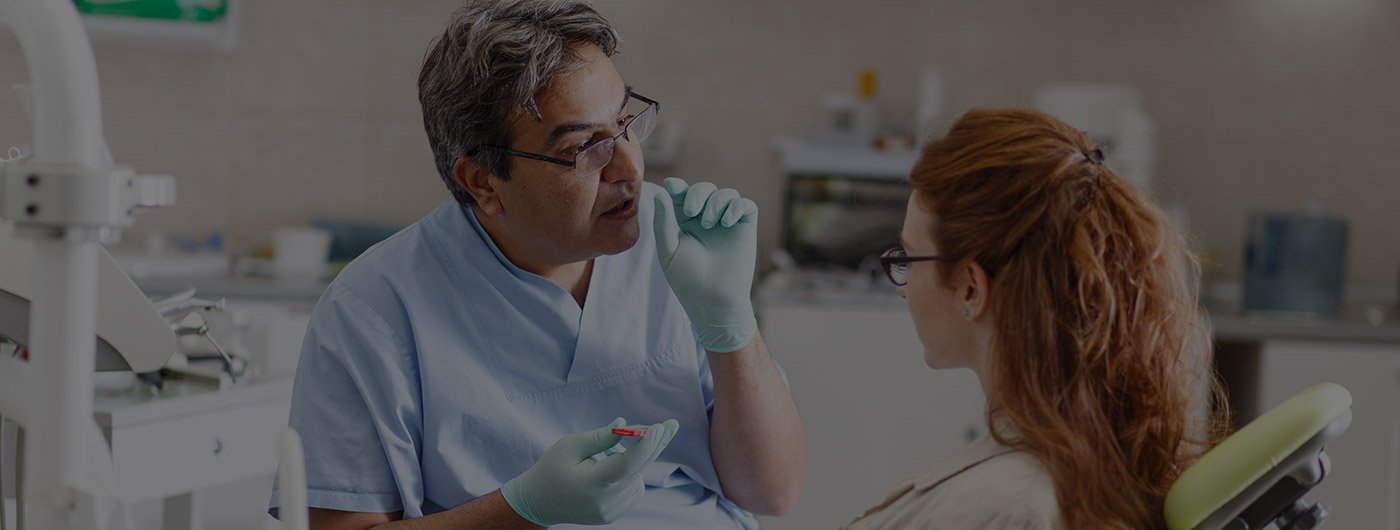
[1095, 156]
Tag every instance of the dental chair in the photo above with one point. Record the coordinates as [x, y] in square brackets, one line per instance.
[1257, 477]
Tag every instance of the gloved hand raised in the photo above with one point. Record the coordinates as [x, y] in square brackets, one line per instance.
[708, 256]
[568, 486]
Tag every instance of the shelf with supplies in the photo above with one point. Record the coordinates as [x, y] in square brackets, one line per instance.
[844, 204]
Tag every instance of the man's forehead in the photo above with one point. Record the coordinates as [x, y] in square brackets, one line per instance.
[587, 86]
[581, 101]
[571, 107]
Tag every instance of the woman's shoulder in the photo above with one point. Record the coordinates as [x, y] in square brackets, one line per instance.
[983, 486]
[1003, 489]
[1014, 485]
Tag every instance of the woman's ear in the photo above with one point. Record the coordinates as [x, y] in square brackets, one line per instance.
[478, 181]
[974, 290]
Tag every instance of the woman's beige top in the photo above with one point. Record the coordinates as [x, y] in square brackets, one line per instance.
[984, 485]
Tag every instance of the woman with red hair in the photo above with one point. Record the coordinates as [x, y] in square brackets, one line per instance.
[1072, 297]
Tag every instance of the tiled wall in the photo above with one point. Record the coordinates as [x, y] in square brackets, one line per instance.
[1260, 104]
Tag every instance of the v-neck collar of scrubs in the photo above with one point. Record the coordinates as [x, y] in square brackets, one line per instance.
[588, 322]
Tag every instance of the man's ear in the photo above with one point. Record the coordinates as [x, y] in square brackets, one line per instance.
[480, 183]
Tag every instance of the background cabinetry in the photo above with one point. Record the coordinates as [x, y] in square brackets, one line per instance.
[874, 413]
[1364, 489]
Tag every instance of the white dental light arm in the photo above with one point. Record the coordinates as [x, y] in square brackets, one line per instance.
[67, 123]
[67, 109]
[67, 198]
[71, 182]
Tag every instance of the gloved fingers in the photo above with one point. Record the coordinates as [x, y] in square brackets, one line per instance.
[616, 468]
[619, 468]
[624, 501]
[615, 450]
[633, 494]
[582, 445]
[636, 490]
[665, 229]
[675, 187]
[671, 427]
[715, 207]
[739, 210]
[695, 199]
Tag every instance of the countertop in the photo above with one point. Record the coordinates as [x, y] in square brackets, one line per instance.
[1359, 322]
[308, 290]
[140, 405]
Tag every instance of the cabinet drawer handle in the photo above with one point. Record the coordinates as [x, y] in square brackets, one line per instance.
[218, 446]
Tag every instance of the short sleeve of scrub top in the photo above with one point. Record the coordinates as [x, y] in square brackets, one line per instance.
[354, 371]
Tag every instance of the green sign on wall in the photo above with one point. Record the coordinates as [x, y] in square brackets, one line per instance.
[200, 11]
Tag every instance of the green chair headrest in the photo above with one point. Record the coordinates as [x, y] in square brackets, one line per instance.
[1242, 459]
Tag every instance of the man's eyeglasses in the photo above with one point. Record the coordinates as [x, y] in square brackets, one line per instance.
[896, 263]
[595, 156]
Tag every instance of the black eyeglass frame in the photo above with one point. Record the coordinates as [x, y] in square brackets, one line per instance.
[651, 103]
[895, 257]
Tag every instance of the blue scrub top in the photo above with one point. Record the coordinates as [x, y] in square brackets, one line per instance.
[435, 370]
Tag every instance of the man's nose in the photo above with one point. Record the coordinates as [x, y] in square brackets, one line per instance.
[626, 163]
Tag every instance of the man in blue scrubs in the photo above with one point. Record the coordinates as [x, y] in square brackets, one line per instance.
[467, 372]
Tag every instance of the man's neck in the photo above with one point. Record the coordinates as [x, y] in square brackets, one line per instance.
[572, 276]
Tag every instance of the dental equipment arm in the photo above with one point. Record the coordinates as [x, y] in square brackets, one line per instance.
[67, 198]
[131, 333]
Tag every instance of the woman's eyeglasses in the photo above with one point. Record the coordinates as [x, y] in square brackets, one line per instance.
[896, 264]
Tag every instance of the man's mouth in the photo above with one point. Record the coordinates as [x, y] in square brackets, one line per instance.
[623, 211]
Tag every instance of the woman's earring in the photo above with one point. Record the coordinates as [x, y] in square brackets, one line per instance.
[967, 313]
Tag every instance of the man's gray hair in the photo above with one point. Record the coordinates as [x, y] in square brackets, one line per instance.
[494, 58]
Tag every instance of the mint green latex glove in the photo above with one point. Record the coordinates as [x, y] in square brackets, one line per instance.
[708, 257]
[567, 485]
